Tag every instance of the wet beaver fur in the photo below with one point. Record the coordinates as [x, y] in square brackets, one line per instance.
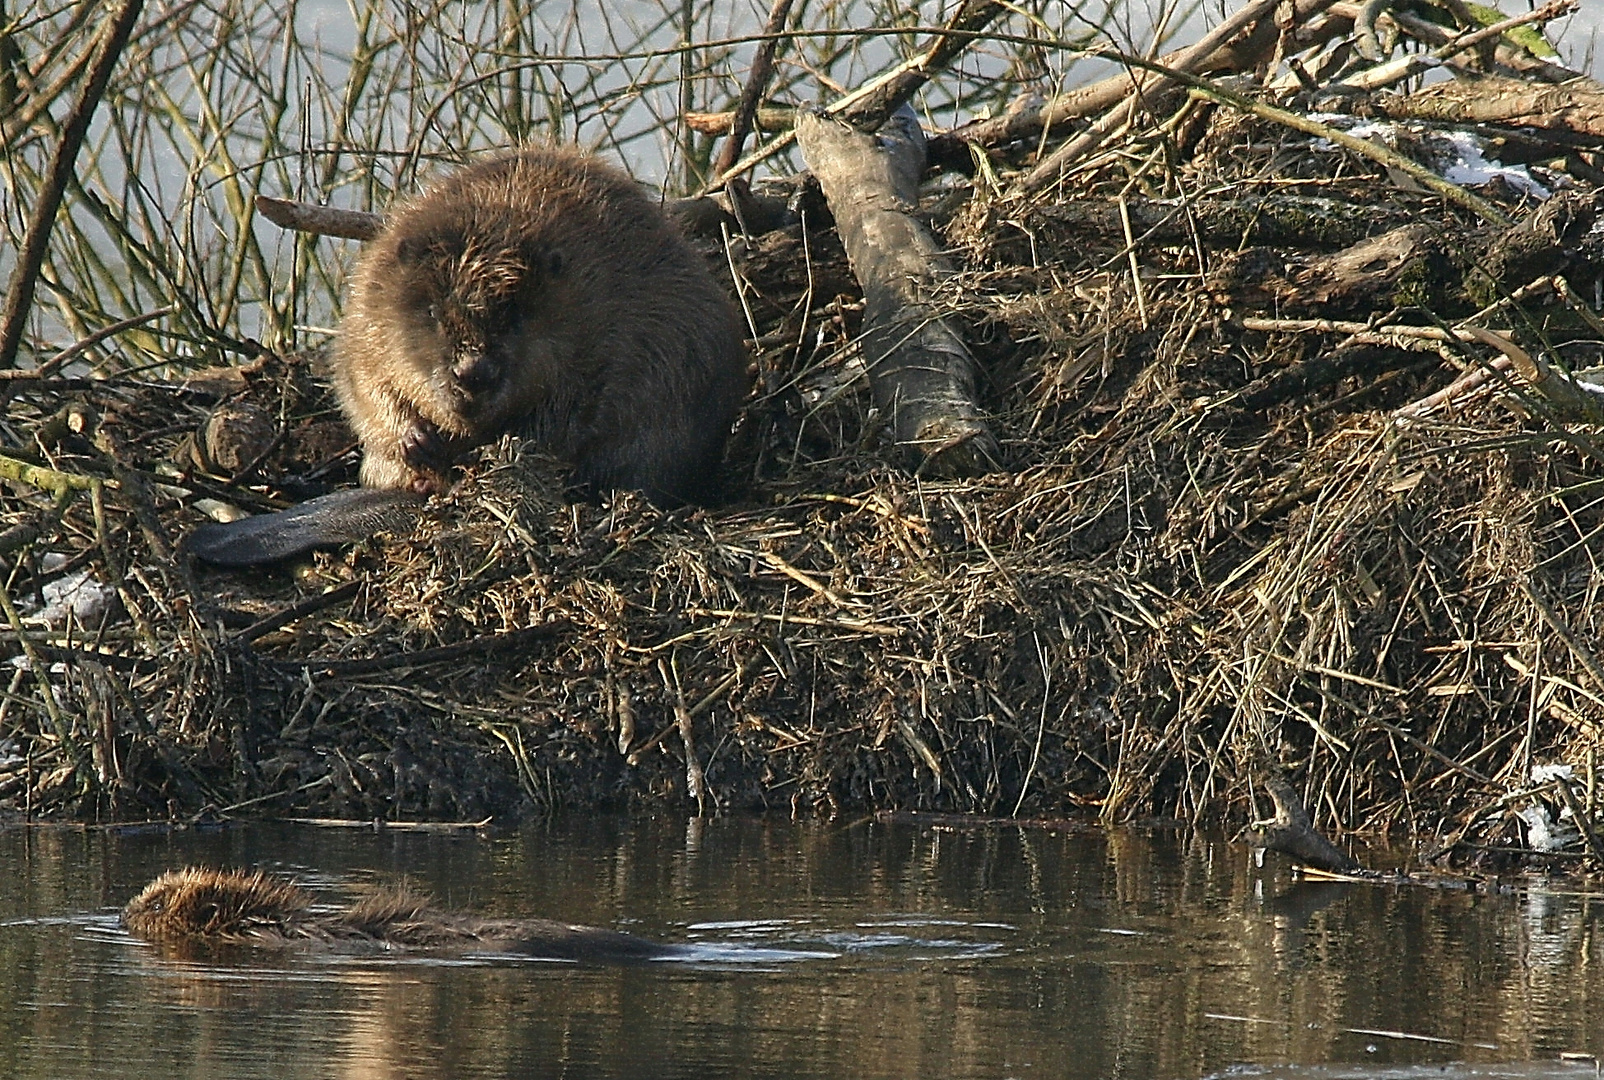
[197, 906]
[540, 293]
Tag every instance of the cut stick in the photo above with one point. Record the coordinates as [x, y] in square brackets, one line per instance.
[704, 216]
[322, 220]
[920, 370]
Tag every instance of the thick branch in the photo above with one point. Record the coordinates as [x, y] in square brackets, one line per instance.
[920, 370]
[869, 105]
[1576, 106]
[1028, 124]
[1188, 61]
[1452, 272]
[874, 111]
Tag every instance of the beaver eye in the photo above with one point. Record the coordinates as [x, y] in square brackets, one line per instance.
[434, 313]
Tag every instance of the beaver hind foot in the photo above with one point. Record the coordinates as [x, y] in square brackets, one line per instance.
[198, 906]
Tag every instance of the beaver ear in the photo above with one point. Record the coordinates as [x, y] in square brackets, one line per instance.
[542, 262]
[421, 246]
[411, 250]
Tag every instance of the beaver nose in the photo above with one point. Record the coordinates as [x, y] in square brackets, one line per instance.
[474, 372]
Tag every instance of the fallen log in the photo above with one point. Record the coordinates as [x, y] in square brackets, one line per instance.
[1422, 265]
[920, 370]
[1576, 106]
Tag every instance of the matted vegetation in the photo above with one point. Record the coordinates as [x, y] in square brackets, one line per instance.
[1229, 539]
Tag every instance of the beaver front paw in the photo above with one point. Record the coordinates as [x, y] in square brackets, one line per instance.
[430, 455]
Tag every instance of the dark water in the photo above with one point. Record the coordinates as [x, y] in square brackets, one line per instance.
[824, 950]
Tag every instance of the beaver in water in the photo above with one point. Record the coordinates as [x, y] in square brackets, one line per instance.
[540, 293]
[200, 906]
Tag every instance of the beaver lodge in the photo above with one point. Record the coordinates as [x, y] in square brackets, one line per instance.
[1265, 447]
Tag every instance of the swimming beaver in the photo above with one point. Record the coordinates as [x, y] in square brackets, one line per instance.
[200, 906]
[540, 292]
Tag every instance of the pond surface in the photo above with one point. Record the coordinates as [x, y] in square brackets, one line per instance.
[824, 949]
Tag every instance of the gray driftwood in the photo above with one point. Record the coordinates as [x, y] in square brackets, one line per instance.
[920, 369]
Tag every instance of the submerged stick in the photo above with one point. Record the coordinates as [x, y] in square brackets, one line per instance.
[31, 256]
[1292, 833]
[920, 370]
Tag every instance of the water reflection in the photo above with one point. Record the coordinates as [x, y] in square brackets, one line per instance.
[849, 949]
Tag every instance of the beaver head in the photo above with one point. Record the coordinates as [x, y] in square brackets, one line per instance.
[198, 902]
[484, 311]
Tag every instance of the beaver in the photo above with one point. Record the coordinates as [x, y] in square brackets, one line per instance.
[540, 292]
[202, 906]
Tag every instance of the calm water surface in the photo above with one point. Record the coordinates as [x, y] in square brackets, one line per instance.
[861, 950]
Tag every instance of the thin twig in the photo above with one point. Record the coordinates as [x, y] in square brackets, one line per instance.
[757, 84]
[1188, 61]
[31, 256]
